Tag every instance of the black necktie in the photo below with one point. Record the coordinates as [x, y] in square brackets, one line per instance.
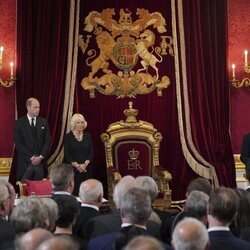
[32, 122]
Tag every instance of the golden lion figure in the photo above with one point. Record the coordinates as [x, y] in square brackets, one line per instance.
[106, 44]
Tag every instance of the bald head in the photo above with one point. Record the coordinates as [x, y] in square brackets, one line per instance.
[190, 233]
[127, 182]
[91, 192]
[33, 238]
[59, 243]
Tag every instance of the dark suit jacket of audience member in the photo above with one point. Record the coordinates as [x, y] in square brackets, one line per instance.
[7, 232]
[85, 214]
[110, 223]
[245, 234]
[106, 242]
[224, 240]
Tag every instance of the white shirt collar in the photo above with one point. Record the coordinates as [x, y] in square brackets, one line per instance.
[218, 229]
[29, 117]
[90, 205]
[130, 224]
[62, 192]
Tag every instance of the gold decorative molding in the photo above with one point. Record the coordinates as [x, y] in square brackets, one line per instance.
[5, 165]
[238, 163]
[240, 169]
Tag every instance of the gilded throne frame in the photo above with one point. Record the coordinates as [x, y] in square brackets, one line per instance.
[141, 132]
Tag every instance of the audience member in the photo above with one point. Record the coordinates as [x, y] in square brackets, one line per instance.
[30, 213]
[222, 208]
[190, 233]
[32, 138]
[78, 150]
[52, 209]
[135, 209]
[144, 243]
[148, 183]
[59, 243]
[91, 195]
[7, 197]
[62, 179]
[68, 209]
[199, 184]
[110, 223]
[241, 225]
[197, 202]
[33, 238]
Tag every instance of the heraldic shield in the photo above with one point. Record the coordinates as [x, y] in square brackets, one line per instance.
[132, 148]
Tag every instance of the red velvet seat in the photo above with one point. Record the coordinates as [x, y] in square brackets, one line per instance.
[38, 188]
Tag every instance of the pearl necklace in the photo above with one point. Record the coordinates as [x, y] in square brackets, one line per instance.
[78, 137]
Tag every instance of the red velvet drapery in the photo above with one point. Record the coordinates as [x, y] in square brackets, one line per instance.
[42, 54]
[42, 38]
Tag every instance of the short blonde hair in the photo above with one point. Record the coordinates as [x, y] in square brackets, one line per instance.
[77, 117]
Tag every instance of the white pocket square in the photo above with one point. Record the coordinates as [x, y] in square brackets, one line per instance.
[42, 127]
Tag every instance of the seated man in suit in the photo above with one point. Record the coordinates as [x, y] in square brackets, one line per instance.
[135, 209]
[148, 183]
[68, 209]
[91, 194]
[190, 233]
[7, 197]
[222, 207]
[62, 179]
[104, 224]
[30, 213]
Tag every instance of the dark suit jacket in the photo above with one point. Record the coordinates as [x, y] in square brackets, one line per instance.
[224, 240]
[7, 232]
[85, 214]
[110, 223]
[107, 241]
[245, 151]
[245, 234]
[24, 141]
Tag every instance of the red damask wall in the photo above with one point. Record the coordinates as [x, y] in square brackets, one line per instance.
[7, 95]
[239, 40]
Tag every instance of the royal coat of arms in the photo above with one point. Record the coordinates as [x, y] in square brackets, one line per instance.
[126, 61]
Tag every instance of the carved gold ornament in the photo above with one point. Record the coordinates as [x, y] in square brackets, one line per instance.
[127, 47]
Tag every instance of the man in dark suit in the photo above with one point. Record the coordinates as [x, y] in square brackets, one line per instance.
[109, 223]
[190, 233]
[62, 179]
[32, 138]
[221, 211]
[245, 156]
[90, 194]
[135, 209]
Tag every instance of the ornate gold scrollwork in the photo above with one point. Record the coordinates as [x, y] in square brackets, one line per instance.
[127, 45]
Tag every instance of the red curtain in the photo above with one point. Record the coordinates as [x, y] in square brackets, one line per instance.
[42, 38]
[206, 48]
[205, 31]
[42, 34]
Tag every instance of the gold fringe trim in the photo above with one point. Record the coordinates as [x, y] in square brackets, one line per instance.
[206, 170]
[57, 156]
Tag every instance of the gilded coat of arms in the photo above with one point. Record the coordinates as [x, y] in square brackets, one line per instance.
[126, 61]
